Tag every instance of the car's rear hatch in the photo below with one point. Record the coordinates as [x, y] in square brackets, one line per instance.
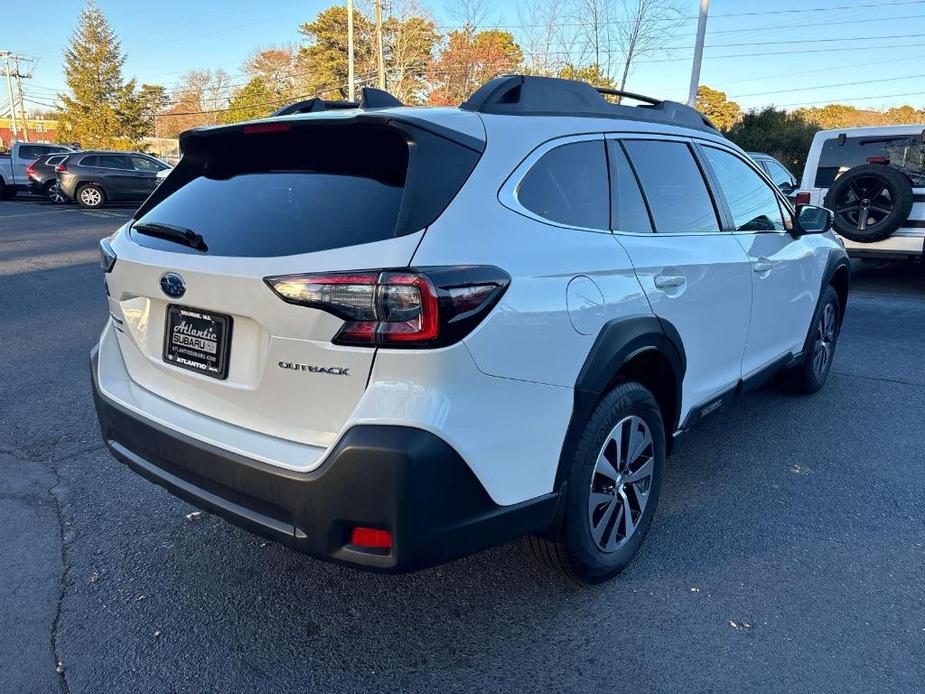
[309, 195]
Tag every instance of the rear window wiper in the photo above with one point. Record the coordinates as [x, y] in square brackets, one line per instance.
[172, 232]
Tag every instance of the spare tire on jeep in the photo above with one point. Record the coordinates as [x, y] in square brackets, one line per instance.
[870, 202]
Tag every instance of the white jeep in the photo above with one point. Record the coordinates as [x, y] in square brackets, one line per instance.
[873, 179]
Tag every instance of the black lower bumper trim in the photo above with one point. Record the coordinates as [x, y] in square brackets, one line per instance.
[401, 479]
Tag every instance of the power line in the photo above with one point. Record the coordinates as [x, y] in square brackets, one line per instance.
[826, 86]
[853, 98]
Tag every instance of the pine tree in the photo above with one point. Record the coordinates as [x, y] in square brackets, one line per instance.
[93, 72]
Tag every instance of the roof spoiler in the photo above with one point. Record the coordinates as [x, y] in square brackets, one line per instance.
[526, 95]
[369, 99]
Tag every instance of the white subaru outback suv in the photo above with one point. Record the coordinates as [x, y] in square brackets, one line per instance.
[391, 336]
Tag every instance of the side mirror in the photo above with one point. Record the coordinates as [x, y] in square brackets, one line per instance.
[786, 188]
[811, 219]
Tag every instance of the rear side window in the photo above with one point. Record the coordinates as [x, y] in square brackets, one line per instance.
[31, 152]
[90, 160]
[569, 185]
[753, 204]
[627, 208]
[316, 188]
[57, 159]
[905, 153]
[113, 161]
[673, 186]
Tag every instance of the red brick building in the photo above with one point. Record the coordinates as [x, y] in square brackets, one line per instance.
[35, 130]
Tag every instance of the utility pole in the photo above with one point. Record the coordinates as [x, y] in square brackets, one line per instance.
[698, 52]
[9, 91]
[22, 102]
[379, 41]
[350, 50]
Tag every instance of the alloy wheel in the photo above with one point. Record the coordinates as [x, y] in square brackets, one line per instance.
[825, 340]
[90, 197]
[620, 483]
[55, 194]
[865, 202]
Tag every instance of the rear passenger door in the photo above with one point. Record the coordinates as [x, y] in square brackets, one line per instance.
[119, 179]
[785, 270]
[696, 276]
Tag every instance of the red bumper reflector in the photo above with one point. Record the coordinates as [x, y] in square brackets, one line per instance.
[371, 538]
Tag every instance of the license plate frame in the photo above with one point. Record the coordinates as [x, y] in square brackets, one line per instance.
[187, 342]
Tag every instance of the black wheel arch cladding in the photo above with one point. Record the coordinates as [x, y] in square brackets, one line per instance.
[618, 342]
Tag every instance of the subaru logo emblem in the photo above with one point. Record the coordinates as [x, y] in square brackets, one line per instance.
[173, 285]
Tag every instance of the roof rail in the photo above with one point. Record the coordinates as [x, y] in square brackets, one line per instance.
[369, 98]
[526, 95]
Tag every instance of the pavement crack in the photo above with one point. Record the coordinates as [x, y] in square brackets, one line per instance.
[58, 664]
[880, 380]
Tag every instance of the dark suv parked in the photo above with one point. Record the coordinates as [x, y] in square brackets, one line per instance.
[95, 178]
[42, 177]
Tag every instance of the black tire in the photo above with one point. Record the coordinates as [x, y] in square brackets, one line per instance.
[54, 194]
[870, 202]
[87, 199]
[807, 377]
[572, 550]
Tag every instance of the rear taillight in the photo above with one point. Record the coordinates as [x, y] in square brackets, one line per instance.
[802, 198]
[61, 167]
[428, 307]
[30, 169]
[107, 255]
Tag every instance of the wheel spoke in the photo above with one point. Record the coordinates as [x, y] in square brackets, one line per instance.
[640, 440]
[614, 541]
[881, 209]
[862, 219]
[599, 529]
[605, 467]
[645, 470]
[599, 498]
[627, 516]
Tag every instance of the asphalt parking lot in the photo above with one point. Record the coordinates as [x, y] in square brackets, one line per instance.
[788, 552]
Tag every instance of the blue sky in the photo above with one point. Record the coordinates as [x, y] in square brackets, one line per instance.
[788, 52]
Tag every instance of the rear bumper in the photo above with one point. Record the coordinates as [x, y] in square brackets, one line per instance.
[401, 479]
[897, 247]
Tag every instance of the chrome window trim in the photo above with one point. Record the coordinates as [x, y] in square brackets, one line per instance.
[507, 195]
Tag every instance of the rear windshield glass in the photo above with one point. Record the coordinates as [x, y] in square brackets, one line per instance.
[905, 153]
[275, 194]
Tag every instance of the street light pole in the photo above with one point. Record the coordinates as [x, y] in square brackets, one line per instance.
[350, 50]
[698, 52]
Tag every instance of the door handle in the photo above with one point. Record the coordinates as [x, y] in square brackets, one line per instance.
[669, 281]
[763, 265]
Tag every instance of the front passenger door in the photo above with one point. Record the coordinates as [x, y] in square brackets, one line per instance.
[146, 174]
[785, 272]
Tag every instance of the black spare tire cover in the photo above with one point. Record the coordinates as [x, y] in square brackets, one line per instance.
[870, 202]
